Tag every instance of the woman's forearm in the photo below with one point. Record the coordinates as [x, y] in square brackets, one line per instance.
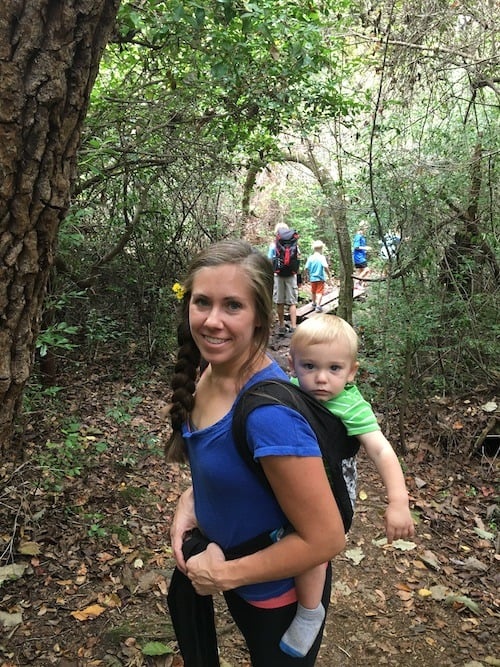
[183, 521]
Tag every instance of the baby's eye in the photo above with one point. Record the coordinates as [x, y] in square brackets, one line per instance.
[308, 367]
[334, 368]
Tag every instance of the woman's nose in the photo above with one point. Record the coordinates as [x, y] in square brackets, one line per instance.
[213, 317]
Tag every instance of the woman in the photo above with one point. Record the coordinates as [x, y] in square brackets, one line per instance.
[227, 315]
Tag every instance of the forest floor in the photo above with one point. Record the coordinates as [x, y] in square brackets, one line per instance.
[86, 560]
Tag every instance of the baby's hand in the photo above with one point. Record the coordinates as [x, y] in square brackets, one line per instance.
[398, 521]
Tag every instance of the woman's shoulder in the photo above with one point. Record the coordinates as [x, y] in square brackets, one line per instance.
[270, 372]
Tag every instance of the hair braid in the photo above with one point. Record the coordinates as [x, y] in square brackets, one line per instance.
[183, 385]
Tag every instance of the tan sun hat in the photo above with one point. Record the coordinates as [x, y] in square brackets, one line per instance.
[317, 245]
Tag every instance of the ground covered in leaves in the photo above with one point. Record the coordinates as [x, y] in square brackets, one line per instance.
[86, 562]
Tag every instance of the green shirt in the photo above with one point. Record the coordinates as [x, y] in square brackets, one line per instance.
[352, 409]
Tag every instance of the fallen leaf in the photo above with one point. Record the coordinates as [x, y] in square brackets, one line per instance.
[439, 592]
[156, 648]
[430, 559]
[10, 620]
[484, 534]
[476, 564]
[356, 555]
[88, 613]
[404, 545]
[405, 595]
[12, 571]
[463, 600]
[424, 592]
[490, 406]
[363, 495]
[29, 548]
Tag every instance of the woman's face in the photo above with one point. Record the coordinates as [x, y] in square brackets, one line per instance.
[222, 315]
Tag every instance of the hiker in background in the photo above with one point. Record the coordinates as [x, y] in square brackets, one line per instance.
[286, 266]
[316, 271]
[323, 358]
[389, 246]
[360, 253]
[226, 317]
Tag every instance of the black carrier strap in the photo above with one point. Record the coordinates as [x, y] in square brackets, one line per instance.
[331, 433]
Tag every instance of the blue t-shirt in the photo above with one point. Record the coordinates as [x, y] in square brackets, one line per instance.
[231, 504]
[359, 256]
[315, 266]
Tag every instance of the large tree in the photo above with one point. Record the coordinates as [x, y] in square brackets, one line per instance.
[49, 57]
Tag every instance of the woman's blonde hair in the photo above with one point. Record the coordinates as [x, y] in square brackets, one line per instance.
[324, 329]
[259, 272]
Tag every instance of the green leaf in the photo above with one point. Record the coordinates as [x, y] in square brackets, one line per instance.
[484, 534]
[156, 648]
[466, 601]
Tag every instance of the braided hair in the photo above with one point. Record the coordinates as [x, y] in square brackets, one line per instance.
[259, 272]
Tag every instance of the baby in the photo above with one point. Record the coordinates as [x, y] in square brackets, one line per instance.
[323, 359]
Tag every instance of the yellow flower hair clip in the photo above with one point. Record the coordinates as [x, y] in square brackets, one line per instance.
[178, 290]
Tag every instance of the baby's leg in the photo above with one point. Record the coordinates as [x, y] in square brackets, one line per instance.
[304, 628]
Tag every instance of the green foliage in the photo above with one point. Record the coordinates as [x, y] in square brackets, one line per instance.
[156, 648]
[56, 337]
[68, 456]
[101, 331]
[95, 528]
[122, 410]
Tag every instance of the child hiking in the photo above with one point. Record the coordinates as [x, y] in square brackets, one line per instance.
[323, 357]
[316, 270]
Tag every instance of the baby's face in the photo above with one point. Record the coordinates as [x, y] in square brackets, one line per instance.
[323, 369]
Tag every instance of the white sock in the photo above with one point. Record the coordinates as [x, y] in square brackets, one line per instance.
[303, 630]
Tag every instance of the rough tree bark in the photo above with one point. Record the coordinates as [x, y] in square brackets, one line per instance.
[49, 57]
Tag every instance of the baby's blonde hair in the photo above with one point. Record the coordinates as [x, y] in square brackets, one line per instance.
[324, 329]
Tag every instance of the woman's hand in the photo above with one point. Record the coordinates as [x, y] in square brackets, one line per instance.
[183, 521]
[202, 570]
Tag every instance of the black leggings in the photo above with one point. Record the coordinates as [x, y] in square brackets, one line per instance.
[263, 629]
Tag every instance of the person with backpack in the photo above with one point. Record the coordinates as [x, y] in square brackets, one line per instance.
[316, 270]
[323, 358]
[224, 518]
[284, 253]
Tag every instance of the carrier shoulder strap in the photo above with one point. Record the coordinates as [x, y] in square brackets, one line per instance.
[332, 436]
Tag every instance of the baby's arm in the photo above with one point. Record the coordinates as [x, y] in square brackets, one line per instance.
[398, 520]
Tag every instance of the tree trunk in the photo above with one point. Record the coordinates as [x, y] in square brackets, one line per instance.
[49, 56]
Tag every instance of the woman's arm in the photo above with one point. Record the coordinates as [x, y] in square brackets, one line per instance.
[183, 521]
[303, 492]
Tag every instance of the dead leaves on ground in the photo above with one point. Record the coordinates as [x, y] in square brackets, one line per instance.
[67, 587]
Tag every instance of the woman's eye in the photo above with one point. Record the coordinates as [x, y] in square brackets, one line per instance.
[200, 301]
[234, 305]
